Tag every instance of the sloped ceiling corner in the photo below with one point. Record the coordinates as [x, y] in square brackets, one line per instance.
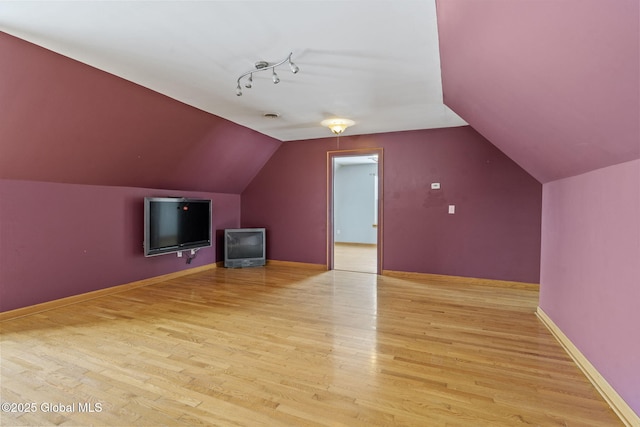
[64, 121]
[554, 85]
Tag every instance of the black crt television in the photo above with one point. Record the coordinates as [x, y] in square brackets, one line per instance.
[244, 247]
[174, 224]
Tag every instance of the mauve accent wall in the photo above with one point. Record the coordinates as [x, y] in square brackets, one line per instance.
[64, 121]
[590, 270]
[58, 240]
[553, 84]
[495, 232]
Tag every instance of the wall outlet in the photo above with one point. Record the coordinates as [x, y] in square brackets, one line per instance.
[435, 185]
[452, 209]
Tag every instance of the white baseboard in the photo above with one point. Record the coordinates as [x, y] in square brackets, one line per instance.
[617, 403]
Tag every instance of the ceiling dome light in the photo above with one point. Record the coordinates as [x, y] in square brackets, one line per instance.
[337, 126]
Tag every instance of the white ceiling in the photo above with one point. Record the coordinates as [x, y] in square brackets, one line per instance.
[375, 62]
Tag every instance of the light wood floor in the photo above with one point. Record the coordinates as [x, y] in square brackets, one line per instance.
[278, 346]
[355, 257]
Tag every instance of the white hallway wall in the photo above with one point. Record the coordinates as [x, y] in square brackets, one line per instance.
[354, 203]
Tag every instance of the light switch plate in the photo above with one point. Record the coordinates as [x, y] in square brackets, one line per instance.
[452, 209]
[435, 185]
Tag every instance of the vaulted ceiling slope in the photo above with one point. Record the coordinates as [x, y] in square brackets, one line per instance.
[375, 62]
[64, 121]
[554, 84]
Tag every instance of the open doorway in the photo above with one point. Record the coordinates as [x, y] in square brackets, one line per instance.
[354, 217]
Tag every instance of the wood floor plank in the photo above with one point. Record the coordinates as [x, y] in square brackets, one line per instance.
[287, 346]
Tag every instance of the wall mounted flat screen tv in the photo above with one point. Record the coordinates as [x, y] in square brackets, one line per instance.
[174, 224]
[244, 247]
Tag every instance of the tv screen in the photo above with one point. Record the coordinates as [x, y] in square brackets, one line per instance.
[176, 224]
[244, 247]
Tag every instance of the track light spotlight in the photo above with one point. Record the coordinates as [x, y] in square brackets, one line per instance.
[294, 67]
[263, 66]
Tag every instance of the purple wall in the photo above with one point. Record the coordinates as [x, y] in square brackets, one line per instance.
[64, 121]
[58, 240]
[553, 84]
[494, 234]
[590, 271]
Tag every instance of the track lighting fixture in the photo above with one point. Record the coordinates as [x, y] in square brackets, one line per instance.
[337, 126]
[264, 66]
